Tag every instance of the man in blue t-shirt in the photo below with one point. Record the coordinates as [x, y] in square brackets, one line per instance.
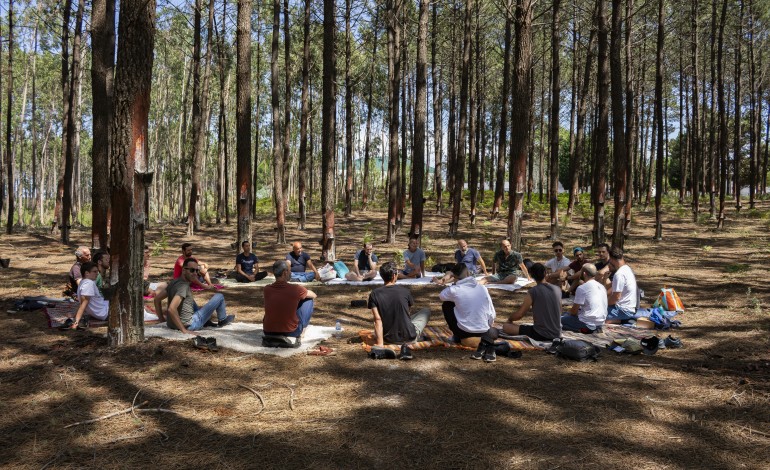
[468, 256]
[364, 265]
[247, 265]
[300, 262]
[414, 261]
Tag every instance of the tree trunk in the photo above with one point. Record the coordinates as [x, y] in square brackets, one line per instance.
[598, 187]
[348, 118]
[304, 114]
[619, 150]
[659, 122]
[576, 162]
[69, 158]
[521, 114]
[328, 132]
[473, 161]
[102, 69]
[223, 210]
[420, 116]
[695, 168]
[459, 168]
[437, 107]
[287, 105]
[257, 119]
[553, 122]
[243, 119]
[723, 138]
[131, 106]
[199, 125]
[278, 194]
[394, 76]
[9, 109]
[737, 118]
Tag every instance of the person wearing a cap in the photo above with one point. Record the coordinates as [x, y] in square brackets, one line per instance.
[589, 309]
[574, 276]
[623, 296]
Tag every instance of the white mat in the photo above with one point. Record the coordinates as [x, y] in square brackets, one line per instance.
[244, 337]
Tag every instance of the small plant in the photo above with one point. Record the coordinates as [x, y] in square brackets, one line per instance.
[707, 248]
[429, 262]
[398, 257]
[753, 303]
[159, 246]
[368, 237]
[424, 241]
[736, 268]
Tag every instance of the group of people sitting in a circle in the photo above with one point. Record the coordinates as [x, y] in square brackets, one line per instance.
[604, 292]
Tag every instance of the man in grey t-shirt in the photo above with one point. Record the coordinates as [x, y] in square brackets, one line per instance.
[545, 301]
[183, 313]
[414, 261]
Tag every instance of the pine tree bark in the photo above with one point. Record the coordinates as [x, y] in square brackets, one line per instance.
[598, 188]
[659, 124]
[278, 194]
[465, 71]
[737, 118]
[304, 114]
[722, 110]
[619, 149]
[437, 105]
[243, 119]
[576, 162]
[553, 122]
[129, 177]
[9, 109]
[394, 76]
[328, 132]
[348, 118]
[473, 160]
[102, 70]
[697, 159]
[521, 115]
[420, 117]
[287, 105]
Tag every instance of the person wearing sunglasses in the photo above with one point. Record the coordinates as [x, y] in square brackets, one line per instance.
[184, 314]
[557, 266]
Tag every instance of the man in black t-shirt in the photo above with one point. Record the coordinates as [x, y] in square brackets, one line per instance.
[391, 306]
[247, 265]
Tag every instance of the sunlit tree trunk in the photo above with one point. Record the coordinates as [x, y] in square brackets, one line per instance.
[328, 132]
[553, 122]
[278, 194]
[619, 149]
[722, 110]
[599, 185]
[659, 124]
[437, 107]
[394, 76]
[129, 177]
[243, 120]
[304, 114]
[420, 116]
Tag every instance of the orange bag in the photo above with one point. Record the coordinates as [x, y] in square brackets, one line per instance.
[669, 301]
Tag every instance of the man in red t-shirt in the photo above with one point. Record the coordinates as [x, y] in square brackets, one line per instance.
[202, 280]
[288, 307]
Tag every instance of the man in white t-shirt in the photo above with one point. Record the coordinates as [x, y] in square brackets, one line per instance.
[589, 309]
[623, 296]
[91, 300]
[557, 267]
[469, 313]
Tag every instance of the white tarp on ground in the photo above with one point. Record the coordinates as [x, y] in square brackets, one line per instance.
[244, 337]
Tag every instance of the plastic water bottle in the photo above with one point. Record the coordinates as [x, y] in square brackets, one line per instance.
[338, 329]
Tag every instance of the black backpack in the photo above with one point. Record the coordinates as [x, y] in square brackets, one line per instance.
[575, 349]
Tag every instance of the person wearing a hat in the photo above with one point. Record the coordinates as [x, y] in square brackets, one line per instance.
[589, 309]
[574, 276]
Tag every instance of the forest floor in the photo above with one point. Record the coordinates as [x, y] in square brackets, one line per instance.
[706, 405]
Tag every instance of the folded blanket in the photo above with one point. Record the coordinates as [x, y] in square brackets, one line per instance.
[59, 314]
[245, 337]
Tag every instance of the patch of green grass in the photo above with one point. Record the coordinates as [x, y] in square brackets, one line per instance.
[707, 248]
[159, 246]
[736, 268]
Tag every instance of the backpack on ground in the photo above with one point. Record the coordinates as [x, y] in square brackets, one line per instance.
[442, 267]
[327, 273]
[574, 349]
[669, 301]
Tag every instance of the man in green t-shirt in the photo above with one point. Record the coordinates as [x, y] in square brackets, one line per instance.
[508, 266]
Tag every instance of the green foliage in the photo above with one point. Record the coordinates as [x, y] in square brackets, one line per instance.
[398, 257]
[736, 268]
[159, 246]
[753, 304]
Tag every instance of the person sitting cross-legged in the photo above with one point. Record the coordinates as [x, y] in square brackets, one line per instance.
[414, 260]
[247, 265]
[558, 266]
[92, 303]
[508, 266]
[545, 301]
[82, 255]
[623, 295]
[184, 314]
[468, 256]
[391, 307]
[300, 262]
[288, 307]
[364, 265]
[589, 309]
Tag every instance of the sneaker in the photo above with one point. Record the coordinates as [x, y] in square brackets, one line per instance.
[200, 342]
[209, 324]
[672, 342]
[406, 353]
[227, 320]
[489, 354]
[479, 353]
[211, 342]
